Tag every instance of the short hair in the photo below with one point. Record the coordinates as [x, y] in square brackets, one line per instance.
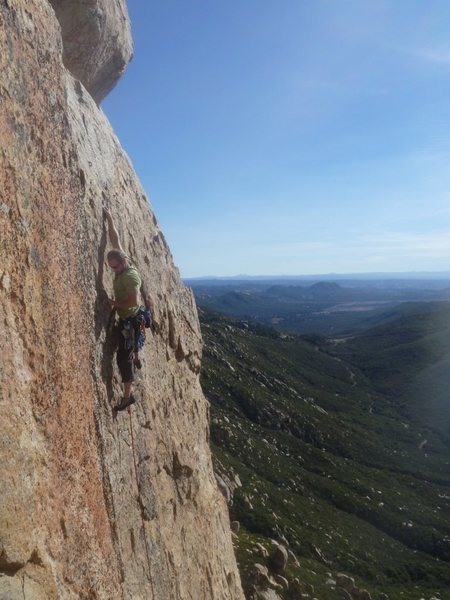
[116, 255]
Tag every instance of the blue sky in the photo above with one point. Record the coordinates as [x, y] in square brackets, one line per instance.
[293, 137]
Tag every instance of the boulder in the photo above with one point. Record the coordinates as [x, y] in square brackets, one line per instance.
[260, 575]
[97, 43]
[345, 582]
[235, 526]
[278, 559]
[282, 581]
[227, 482]
[261, 550]
[268, 594]
[317, 553]
[342, 594]
[293, 558]
[224, 489]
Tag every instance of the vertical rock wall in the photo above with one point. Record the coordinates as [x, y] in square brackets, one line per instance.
[91, 507]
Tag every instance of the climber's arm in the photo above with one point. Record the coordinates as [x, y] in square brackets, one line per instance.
[113, 235]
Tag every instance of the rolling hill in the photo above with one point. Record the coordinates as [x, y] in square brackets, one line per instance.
[330, 461]
[324, 307]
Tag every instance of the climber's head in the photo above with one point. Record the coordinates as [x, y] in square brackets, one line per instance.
[117, 260]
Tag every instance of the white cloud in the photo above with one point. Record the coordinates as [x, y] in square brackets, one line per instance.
[394, 251]
[338, 87]
[437, 56]
[429, 245]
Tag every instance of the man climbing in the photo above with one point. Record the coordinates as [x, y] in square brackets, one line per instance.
[127, 283]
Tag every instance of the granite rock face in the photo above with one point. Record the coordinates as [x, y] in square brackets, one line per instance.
[91, 506]
[97, 41]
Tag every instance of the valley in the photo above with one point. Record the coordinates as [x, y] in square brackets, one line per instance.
[340, 447]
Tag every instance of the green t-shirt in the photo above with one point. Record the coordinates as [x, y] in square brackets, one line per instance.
[123, 284]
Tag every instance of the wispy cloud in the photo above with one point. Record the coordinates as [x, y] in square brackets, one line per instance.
[428, 53]
[341, 87]
[376, 251]
[317, 84]
[412, 244]
[436, 56]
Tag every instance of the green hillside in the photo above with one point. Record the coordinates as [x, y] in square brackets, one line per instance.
[408, 361]
[329, 464]
[324, 307]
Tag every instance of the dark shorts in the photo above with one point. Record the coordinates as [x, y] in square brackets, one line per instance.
[130, 339]
[125, 351]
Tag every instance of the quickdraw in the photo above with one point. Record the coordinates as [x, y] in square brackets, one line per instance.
[134, 329]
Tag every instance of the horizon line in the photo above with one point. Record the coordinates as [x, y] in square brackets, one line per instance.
[329, 274]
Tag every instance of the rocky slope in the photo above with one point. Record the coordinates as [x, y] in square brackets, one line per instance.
[91, 506]
[316, 459]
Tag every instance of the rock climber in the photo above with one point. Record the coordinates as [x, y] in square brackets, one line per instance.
[130, 328]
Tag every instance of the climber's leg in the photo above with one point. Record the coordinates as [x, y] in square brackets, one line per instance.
[127, 387]
[125, 363]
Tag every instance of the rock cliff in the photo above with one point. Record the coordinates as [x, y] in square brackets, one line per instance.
[97, 41]
[91, 506]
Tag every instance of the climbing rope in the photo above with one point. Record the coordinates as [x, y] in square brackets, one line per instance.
[140, 504]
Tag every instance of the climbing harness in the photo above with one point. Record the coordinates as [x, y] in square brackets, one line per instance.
[134, 329]
[147, 316]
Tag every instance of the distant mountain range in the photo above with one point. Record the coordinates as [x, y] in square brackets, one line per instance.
[381, 276]
[326, 307]
[341, 446]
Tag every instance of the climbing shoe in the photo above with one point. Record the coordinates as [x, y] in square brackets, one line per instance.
[125, 402]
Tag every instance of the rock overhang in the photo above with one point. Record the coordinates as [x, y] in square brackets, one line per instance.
[97, 42]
